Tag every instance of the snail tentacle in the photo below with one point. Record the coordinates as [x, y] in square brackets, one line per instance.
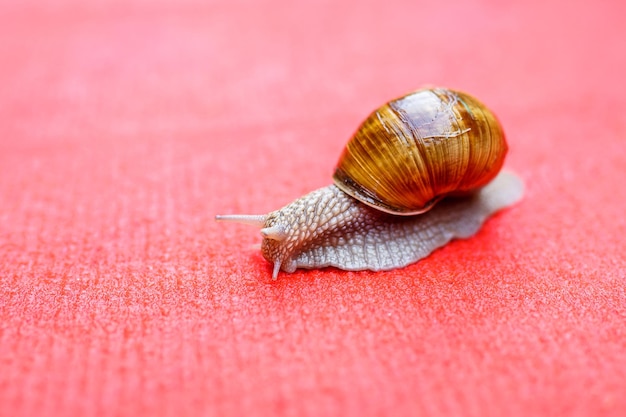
[276, 270]
[277, 232]
[251, 219]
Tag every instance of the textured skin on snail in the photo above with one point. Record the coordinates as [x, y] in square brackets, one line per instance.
[414, 150]
[329, 228]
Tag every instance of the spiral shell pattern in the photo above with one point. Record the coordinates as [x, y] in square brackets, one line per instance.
[418, 148]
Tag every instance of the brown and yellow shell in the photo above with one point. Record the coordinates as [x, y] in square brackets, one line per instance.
[416, 149]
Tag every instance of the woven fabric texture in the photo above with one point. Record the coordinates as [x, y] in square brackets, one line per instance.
[126, 126]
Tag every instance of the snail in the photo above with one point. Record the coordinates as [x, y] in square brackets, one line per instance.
[386, 208]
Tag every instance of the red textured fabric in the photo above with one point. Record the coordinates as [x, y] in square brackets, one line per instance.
[127, 125]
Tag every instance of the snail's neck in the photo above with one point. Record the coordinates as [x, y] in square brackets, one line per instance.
[305, 221]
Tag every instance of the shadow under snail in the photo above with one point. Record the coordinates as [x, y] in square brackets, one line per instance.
[386, 208]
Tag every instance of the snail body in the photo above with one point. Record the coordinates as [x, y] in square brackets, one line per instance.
[384, 209]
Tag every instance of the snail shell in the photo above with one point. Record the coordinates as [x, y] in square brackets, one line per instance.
[405, 157]
[414, 150]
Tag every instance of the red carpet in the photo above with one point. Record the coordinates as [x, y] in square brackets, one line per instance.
[127, 125]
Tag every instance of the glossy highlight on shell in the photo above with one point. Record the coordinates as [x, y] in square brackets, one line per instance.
[416, 149]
